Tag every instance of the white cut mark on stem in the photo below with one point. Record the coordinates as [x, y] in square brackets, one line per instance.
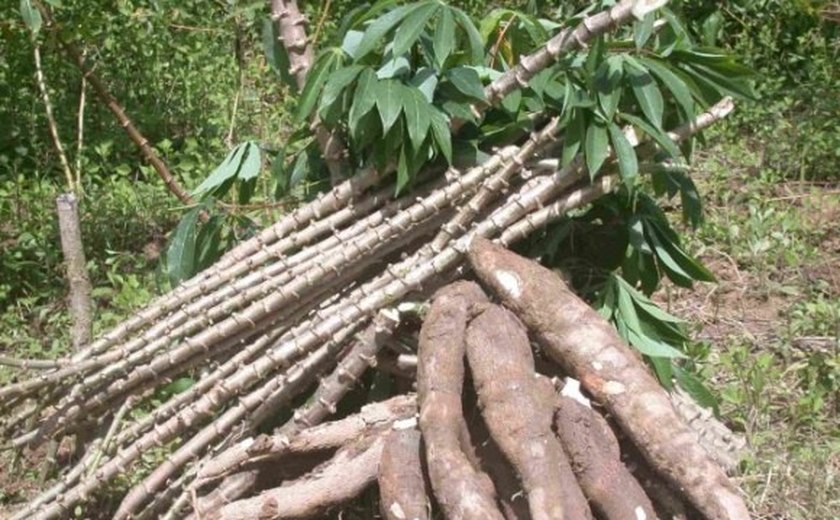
[510, 282]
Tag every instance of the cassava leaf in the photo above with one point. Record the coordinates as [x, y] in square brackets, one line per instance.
[389, 101]
[314, 81]
[251, 162]
[180, 256]
[628, 165]
[696, 389]
[228, 169]
[417, 118]
[596, 147]
[336, 82]
[412, 26]
[31, 16]
[426, 81]
[466, 80]
[364, 99]
[444, 39]
[646, 91]
[377, 30]
[440, 130]
[473, 36]
[661, 138]
[677, 87]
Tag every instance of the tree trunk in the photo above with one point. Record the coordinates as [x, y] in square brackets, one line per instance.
[81, 305]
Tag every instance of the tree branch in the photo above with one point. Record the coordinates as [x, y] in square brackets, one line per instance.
[292, 35]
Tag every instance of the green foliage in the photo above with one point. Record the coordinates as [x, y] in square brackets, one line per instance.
[794, 49]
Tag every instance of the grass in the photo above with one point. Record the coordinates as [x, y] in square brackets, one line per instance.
[766, 334]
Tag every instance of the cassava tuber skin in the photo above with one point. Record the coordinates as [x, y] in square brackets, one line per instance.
[593, 450]
[512, 500]
[460, 490]
[518, 418]
[582, 342]
[402, 487]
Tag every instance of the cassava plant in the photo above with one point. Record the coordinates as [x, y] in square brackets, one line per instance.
[436, 131]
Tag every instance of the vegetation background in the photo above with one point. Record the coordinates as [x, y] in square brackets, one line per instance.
[193, 76]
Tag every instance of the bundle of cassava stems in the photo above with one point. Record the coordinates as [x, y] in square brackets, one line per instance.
[315, 300]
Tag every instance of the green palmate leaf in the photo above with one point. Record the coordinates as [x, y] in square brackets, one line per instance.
[377, 30]
[636, 234]
[413, 25]
[351, 42]
[336, 82]
[31, 16]
[663, 367]
[251, 162]
[275, 53]
[279, 173]
[608, 84]
[689, 265]
[417, 115]
[737, 87]
[661, 138]
[653, 347]
[364, 99]
[403, 175]
[678, 87]
[628, 165]
[458, 110]
[473, 36]
[227, 170]
[389, 101]
[467, 81]
[444, 40]
[715, 59]
[440, 130]
[314, 81]
[301, 169]
[512, 101]
[180, 256]
[208, 243]
[607, 303]
[574, 136]
[671, 181]
[596, 148]
[643, 30]
[645, 304]
[395, 67]
[366, 130]
[711, 28]
[646, 91]
[182, 384]
[671, 267]
[696, 389]
[426, 81]
[627, 310]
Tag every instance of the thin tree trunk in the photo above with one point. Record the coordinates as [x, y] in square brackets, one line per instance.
[81, 306]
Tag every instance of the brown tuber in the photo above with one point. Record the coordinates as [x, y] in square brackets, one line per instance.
[518, 418]
[583, 343]
[461, 491]
[402, 487]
